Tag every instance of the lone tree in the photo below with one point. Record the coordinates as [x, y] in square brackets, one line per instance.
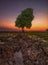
[25, 18]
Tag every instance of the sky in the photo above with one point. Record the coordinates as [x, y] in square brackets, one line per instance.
[10, 9]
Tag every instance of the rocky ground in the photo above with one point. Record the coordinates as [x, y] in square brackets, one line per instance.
[23, 49]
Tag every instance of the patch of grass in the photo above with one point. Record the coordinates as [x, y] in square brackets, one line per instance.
[43, 35]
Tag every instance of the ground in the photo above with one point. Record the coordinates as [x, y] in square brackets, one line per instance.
[27, 48]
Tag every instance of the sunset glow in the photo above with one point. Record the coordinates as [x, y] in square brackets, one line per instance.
[9, 13]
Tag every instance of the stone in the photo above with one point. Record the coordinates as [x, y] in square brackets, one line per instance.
[2, 42]
[23, 50]
[44, 41]
[18, 58]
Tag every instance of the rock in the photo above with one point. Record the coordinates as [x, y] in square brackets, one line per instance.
[2, 42]
[46, 50]
[44, 41]
[18, 58]
[10, 39]
[29, 36]
[23, 50]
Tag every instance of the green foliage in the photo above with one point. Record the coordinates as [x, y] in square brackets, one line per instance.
[25, 18]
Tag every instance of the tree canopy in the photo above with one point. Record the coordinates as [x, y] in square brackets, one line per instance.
[25, 18]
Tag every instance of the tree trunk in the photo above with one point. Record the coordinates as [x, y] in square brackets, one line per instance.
[23, 29]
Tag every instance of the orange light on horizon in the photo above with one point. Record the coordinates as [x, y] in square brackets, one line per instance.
[40, 22]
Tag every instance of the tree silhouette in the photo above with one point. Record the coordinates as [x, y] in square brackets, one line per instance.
[25, 18]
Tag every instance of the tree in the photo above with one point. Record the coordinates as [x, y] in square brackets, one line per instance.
[25, 18]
